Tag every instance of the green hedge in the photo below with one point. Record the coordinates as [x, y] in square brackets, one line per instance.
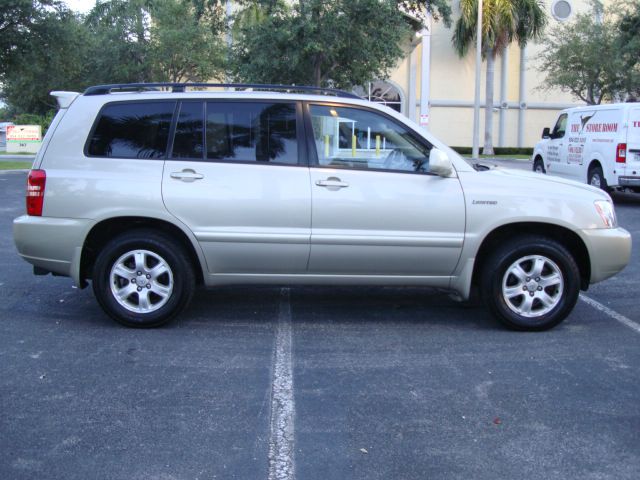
[497, 150]
[33, 119]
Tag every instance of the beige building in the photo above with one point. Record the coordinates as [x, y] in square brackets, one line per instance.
[431, 65]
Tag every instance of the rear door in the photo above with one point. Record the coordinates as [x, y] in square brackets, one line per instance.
[376, 209]
[236, 177]
[633, 144]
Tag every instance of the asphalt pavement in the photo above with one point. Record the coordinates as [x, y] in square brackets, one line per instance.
[13, 158]
[313, 383]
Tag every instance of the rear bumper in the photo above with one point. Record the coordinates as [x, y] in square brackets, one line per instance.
[52, 244]
[629, 181]
[609, 251]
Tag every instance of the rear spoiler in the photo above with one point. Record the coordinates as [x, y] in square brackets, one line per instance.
[64, 98]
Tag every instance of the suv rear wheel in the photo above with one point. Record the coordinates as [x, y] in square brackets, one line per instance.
[143, 279]
[531, 284]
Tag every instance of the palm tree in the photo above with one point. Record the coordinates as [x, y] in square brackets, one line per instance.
[503, 22]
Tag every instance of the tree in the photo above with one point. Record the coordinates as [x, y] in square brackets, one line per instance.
[628, 46]
[17, 18]
[119, 41]
[340, 43]
[503, 22]
[156, 40]
[582, 57]
[438, 9]
[120, 29]
[183, 45]
[54, 58]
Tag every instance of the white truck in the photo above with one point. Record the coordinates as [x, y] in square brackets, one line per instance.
[596, 144]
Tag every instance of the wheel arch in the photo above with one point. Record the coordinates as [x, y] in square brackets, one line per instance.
[594, 163]
[563, 235]
[538, 158]
[105, 230]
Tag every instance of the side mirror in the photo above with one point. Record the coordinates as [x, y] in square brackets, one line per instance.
[546, 132]
[440, 163]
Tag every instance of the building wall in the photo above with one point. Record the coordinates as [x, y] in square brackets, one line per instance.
[452, 80]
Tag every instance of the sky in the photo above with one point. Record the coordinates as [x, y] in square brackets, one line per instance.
[81, 6]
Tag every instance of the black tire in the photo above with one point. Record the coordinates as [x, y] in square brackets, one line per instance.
[524, 251]
[538, 166]
[596, 178]
[174, 280]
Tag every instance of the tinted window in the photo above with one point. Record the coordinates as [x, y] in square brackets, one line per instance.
[355, 138]
[189, 137]
[254, 132]
[132, 130]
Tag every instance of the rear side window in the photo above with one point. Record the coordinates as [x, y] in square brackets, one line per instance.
[189, 137]
[132, 130]
[252, 132]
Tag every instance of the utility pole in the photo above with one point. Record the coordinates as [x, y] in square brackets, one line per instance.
[475, 153]
[426, 73]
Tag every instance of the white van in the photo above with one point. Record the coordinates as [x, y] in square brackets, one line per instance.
[597, 144]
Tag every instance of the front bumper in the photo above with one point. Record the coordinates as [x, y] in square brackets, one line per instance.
[609, 251]
[52, 244]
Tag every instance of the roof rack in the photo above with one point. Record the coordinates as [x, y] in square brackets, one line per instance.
[181, 87]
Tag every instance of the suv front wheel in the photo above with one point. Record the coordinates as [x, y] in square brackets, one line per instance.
[531, 283]
[143, 279]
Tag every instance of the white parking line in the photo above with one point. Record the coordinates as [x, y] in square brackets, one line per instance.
[281, 447]
[612, 313]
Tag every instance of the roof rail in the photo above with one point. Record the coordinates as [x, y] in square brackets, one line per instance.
[181, 87]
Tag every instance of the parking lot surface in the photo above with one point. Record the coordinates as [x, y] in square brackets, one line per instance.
[314, 383]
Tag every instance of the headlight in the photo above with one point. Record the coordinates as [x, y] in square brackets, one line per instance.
[606, 212]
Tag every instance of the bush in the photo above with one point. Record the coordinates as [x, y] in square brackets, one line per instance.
[32, 119]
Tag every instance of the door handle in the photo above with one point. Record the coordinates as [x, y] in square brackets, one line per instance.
[187, 175]
[332, 183]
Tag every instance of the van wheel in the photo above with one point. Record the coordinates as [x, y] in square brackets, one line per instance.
[596, 178]
[531, 283]
[538, 166]
[143, 279]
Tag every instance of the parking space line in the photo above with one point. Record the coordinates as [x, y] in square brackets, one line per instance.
[612, 313]
[281, 439]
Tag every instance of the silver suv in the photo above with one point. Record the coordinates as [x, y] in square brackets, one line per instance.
[148, 190]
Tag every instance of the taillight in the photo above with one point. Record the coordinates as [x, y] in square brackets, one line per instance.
[35, 192]
[621, 153]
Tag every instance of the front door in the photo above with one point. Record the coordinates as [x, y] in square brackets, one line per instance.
[236, 177]
[376, 209]
[557, 161]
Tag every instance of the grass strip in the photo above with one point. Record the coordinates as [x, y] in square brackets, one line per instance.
[15, 165]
